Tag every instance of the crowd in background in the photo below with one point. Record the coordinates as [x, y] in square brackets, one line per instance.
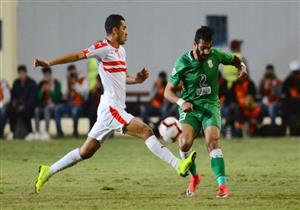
[243, 105]
[46, 100]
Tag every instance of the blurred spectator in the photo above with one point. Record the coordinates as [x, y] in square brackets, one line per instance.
[73, 96]
[291, 99]
[48, 96]
[230, 73]
[237, 99]
[155, 107]
[223, 89]
[269, 90]
[23, 102]
[223, 97]
[4, 103]
[241, 88]
[92, 72]
[249, 114]
[93, 101]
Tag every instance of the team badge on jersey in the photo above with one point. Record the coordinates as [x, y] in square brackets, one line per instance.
[210, 63]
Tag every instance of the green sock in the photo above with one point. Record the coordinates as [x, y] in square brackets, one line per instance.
[218, 166]
[193, 169]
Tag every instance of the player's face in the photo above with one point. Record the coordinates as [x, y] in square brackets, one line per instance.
[122, 33]
[203, 48]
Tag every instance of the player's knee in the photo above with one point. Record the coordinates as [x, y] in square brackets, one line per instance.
[184, 144]
[184, 147]
[86, 153]
[146, 131]
[213, 143]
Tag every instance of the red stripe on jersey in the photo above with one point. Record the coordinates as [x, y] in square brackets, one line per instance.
[117, 115]
[99, 45]
[113, 63]
[85, 51]
[115, 70]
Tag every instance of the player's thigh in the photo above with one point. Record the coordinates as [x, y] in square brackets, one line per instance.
[190, 128]
[101, 130]
[89, 147]
[211, 115]
[138, 128]
[211, 124]
[212, 137]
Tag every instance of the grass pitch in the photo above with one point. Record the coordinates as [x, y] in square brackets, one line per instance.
[123, 174]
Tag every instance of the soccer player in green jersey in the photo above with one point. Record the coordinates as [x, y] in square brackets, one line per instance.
[199, 107]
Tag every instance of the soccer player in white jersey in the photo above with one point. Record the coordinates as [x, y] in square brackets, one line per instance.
[111, 114]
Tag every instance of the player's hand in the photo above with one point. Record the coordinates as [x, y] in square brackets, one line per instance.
[142, 75]
[40, 62]
[187, 107]
[243, 73]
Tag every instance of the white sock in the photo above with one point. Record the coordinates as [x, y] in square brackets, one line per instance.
[216, 153]
[184, 155]
[161, 151]
[67, 161]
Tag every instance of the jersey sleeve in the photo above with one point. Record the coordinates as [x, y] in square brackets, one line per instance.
[98, 50]
[175, 76]
[225, 58]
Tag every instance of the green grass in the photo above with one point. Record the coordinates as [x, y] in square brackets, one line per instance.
[262, 173]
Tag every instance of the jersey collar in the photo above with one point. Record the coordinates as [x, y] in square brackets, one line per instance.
[108, 42]
[190, 55]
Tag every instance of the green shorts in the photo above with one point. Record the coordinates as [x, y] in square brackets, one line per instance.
[202, 116]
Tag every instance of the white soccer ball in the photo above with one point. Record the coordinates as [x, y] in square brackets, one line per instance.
[169, 129]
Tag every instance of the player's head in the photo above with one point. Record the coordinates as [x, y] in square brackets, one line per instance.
[203, 41]
[115, 26]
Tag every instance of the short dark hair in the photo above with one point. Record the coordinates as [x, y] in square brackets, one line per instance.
[111, 22]
[162, 74]
[22, 68]
[205, 33]
[270, 66]
[71, 67]
[46, 70]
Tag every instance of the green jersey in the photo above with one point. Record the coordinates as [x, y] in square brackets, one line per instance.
[199, 77]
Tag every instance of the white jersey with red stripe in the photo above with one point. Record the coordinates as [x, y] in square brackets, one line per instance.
[112, 70]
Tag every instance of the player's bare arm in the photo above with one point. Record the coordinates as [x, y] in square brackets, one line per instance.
[170, 94]
[68, 58]
[240, 65]
[139, 78]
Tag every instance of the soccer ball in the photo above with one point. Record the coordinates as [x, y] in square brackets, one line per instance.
[169, 129]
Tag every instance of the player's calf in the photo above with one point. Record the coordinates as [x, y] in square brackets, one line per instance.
[218, 167]
[89, 148]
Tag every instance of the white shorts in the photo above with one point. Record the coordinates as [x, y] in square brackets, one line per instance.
[109, 119]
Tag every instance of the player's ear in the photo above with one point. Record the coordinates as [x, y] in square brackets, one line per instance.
[115, 30]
